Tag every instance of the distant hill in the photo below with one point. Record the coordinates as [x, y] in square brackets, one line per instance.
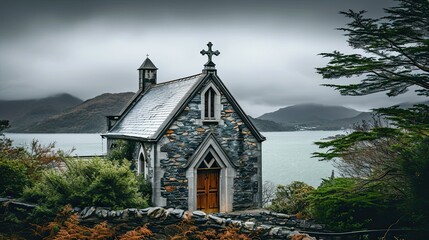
[270, 126]
[23, 113]
[87, 117]
[316, 117]
[302, 113]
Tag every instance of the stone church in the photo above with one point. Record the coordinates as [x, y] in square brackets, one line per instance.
[194, 143]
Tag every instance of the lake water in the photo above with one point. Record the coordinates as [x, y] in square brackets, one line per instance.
[286, 155]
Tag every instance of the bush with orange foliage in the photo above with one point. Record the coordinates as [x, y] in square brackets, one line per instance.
[20, 167]
[140, 233]
[187, 230]
[66, 226]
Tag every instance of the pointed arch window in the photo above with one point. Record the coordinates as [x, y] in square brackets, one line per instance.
[210, 103]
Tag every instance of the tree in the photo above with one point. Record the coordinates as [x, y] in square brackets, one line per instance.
[268, 193]
[396, 52]
[394, 57]
[3, 125]
[292, 198]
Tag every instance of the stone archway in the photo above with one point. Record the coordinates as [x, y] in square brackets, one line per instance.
[219, 181]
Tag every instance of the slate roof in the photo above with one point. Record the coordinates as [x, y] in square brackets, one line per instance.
[149, 113]
[147, 64]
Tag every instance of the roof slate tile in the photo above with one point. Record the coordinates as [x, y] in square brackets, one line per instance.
[150, 111]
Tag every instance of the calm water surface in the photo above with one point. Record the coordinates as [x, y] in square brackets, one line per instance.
[286, 155]
[84, 144]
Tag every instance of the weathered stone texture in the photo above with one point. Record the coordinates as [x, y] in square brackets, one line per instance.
[184, 136]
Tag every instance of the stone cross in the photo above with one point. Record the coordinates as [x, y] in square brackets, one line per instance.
[209, 54]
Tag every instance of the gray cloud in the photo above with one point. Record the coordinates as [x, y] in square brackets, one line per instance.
[268, 48]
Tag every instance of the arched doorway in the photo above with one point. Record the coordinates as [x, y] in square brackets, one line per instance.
[210, 176]
[208, 185]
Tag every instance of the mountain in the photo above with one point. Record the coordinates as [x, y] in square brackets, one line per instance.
[270, 126]
[316, 117]
[23, 113]
[303, 113]
[87, 117]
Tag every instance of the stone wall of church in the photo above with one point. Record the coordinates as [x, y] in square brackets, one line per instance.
[185, 135]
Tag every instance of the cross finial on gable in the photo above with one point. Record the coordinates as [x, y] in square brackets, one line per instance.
[210, 64]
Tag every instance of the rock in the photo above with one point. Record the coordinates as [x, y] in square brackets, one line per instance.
[119, 213]
[157, 212]
[132, 211]
[144, 211]
[199, 214]
[236, 223]
[104, 213]
[228, 221]
[282, 215]
[84, 211]
[249, 225]
[76, 209]
[170, 188]
[274, 231]
[125, 214]
[317, 226]
[200, 221]
[217, 220]
[291, 222]
[88, 213]
[112, 213]
[178, 213]
[98, 212]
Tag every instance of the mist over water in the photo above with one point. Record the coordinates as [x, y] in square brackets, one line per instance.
[286, 156]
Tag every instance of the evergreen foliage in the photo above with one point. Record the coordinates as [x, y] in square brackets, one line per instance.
[145, 187]
[3, 125]
[395, 52]
[92, 182]
[342, 205]
[13, 177]
[392, 157]
[121, 149]
[415, 164]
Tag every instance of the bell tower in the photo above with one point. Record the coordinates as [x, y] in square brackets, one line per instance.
[147, 74]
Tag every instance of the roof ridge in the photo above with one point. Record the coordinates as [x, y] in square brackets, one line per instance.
[177, 80]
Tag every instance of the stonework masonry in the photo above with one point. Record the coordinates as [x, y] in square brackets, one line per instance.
[268, 225]
[185, 135]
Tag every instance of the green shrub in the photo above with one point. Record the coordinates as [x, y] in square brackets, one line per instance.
[93, 182]
[415, 166]
[343, 205]
[292, 198]
[121, 149]
[13, 178]
[145, 187]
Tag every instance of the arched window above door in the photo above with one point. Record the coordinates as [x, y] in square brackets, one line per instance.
[210, 104]
[209, 162]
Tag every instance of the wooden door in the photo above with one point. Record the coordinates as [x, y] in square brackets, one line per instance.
[208, 191]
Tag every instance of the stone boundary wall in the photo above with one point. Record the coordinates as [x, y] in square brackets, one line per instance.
[269, 224]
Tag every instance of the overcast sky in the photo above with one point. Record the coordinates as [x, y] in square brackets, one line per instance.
[268, 48]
